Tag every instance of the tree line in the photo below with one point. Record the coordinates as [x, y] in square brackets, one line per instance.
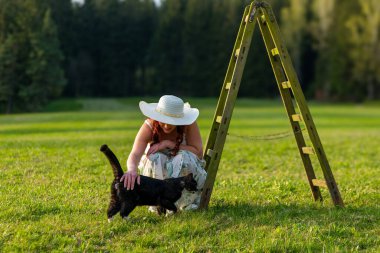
[119, 48]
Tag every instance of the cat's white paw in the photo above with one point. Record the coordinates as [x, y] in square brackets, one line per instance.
[153, 209]
[110, 219]
[169, 213]
[126, 218]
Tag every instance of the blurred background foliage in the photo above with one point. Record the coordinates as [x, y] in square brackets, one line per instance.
[125, 48]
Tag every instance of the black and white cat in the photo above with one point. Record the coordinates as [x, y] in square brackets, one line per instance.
[150, 191]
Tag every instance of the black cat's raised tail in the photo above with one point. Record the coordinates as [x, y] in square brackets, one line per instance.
[116, 167]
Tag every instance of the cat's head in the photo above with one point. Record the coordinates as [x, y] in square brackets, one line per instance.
[189, 183]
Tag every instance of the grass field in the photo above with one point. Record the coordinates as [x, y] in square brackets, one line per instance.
[54, 184]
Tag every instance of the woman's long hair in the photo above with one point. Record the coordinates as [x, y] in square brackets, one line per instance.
[156, 135]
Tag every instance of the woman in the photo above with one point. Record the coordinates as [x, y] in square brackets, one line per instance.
[168, 144]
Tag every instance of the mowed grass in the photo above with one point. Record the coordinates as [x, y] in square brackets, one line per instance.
[54, 184]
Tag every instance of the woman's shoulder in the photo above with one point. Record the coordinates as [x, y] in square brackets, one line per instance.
[145, 132]
[193, 127]
[149, 123]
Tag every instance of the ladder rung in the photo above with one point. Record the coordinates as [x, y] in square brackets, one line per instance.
[263, 20]
[237, 52]
[246, 19]
[296, 117]
[218, 119]
[211, 153]
[228, 86]
[319, 182]
[286, 85]
[275, 51]
[308, 150]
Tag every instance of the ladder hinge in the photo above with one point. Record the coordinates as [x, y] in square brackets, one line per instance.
[218, 119]
[318, 182]
[228, 86]
[237, 52]
[275, 51]
[286, 85]
[308, 150]
[251, 17]
[297, 117]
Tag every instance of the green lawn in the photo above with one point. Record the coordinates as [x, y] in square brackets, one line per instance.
[54, 184]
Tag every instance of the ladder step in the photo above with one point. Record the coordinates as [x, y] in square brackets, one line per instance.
[286, 85]
[246, 19]
[218, 119]
[308, 150]
[228, 86]
[297, 117]
[262, 18]
[211, 153]
[275, 51]
[319, 182]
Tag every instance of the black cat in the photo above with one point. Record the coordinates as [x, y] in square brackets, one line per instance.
[151, 191]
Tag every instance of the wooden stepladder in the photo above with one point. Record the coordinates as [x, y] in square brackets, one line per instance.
[292, 96]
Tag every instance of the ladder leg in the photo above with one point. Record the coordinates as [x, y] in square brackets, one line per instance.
[223, 114]
[278, 49]
[289, 107]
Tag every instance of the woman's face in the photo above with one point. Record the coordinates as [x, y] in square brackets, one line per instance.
[167, 128]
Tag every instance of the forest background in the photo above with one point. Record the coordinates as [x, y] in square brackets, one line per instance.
[126, 48]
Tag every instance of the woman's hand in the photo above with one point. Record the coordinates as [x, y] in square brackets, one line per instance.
[161, 146]
[129, 179]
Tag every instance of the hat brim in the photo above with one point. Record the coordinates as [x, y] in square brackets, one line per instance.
[149, 110]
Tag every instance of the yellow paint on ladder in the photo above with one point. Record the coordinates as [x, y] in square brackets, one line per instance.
[308, 150]
[275, 51]
[296, 117]
[286, 85]
[319, 183]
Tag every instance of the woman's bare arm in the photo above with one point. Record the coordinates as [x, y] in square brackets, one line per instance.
[142, 139]
[193, 140]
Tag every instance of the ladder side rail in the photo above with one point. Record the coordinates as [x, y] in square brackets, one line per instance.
[223, 95]
[301, 102]
[229, 105]
[287, 101]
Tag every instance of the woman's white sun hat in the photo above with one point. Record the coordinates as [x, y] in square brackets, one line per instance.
[170, 110]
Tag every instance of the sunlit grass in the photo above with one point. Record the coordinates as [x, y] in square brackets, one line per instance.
[54, 183]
